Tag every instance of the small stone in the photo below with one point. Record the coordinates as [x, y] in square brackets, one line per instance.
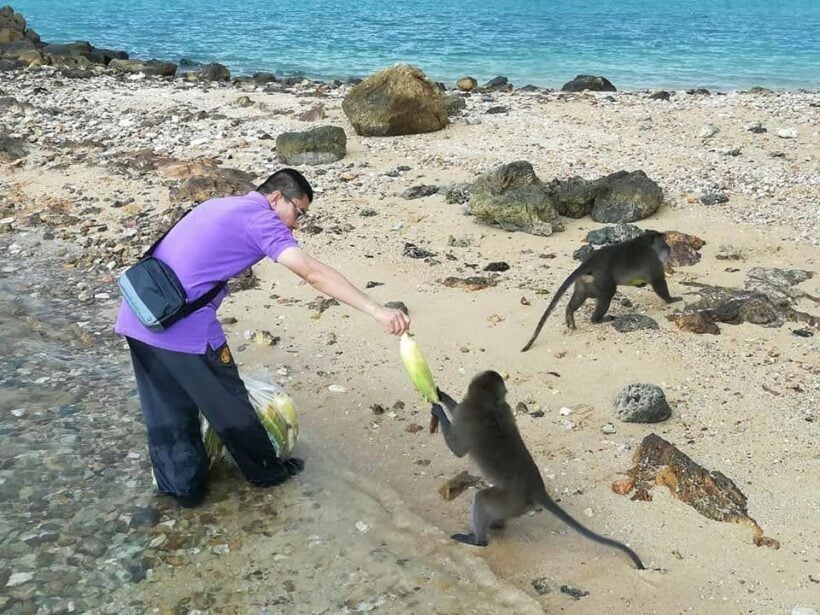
[565, 411]
[413, 428]
[633, 322]
[708, 131]
[362, 526]
[398, 305]
[336, 388]
[19, 578]
[588, 513]
[92, 546]
[642, 403]
[222, 549]
[144, 516]
[726, 252]
[713, 198]
[697, 322]
[755, 127]
[497, 266]
[265, 338]
[542, 585]
[573, 592]
[457, 485]
[787, 133]
[608, 429]
[420, 191]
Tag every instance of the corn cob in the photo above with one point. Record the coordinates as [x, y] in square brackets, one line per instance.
[213, 445]
[419, 372]
[276, 412]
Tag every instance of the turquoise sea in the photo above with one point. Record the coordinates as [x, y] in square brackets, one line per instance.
[719, 44]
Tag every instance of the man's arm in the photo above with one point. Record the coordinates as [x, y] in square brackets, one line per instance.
[327, 280]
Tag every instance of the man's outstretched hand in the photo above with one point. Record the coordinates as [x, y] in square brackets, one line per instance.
[396, 321]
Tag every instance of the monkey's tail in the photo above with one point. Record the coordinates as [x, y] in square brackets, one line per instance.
[558, 294]
[559, 512]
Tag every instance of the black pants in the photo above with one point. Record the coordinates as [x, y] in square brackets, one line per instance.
[173, 388]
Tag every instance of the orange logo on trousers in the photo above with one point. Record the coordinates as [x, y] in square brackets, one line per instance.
[225, 355]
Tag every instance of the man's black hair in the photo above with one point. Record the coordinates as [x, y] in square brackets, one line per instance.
[289, 182]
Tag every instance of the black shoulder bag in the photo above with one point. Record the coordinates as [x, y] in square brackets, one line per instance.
[154, 292]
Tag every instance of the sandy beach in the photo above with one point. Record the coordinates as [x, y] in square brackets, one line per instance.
[744, 402]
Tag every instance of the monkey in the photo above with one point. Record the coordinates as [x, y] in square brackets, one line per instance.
[634, 263]
[483, 426]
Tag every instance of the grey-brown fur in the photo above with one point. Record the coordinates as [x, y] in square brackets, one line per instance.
[635, 262]
[483, 426]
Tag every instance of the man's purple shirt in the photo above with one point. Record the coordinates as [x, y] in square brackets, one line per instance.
[218, 240]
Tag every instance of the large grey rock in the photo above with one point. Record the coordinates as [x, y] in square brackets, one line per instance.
[210, 72]
[627, 197]
[575, 197]
[11, 148]
[154, 68]
[454, 103]
[613, 234]
[399, 100]
[588, 82]
[498, 84]
[466, 84]
[642, 403]
[205, 182]
[317, 146]
[777, 284]
[12, 51]
[513, 198]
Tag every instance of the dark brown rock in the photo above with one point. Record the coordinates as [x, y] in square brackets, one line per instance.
[711, 493]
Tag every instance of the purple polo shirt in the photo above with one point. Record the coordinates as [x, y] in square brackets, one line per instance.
[218, 240]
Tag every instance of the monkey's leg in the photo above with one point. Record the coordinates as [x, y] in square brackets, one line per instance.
[491, 507]
[579, 295]
[602, 305]
[662, 290]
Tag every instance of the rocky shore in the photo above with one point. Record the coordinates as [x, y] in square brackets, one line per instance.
[471, 219]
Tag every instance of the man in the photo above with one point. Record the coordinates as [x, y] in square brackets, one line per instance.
[188, 367]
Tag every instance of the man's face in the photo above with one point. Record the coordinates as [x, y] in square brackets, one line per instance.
[291, 212]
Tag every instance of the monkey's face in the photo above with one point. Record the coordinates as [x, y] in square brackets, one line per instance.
[660, 246]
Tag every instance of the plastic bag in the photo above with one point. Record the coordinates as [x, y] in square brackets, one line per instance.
[275, 410]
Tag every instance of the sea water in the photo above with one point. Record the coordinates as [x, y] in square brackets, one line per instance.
[720, 44]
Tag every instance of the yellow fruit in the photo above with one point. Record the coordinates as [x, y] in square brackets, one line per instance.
[213, 445]
[417, 368]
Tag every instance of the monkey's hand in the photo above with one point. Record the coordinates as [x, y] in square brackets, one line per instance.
[438, 412]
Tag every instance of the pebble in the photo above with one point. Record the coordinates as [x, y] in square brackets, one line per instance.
[19, 578]
[787, 133]
[609, 429]
[336, 388]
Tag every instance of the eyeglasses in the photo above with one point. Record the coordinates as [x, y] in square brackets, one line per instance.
[300, 213]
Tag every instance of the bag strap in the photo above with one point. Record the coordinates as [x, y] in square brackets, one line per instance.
[202, 301]
[205, 299]
[154, 245]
